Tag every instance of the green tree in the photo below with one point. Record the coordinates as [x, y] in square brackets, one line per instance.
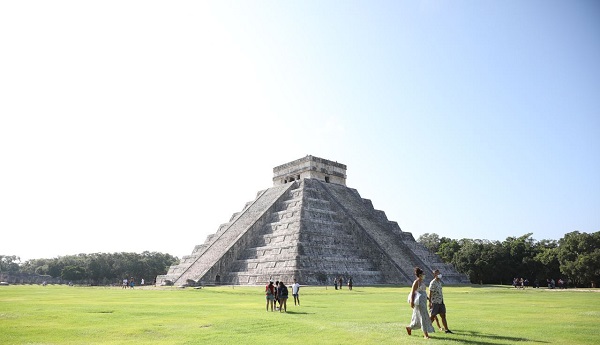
[430, 241]
[497, 263]
[73, 272]
[546, 259]
[579, 257]
[448, 249]
[468, 260]
[36, 266]
[103, 268]
[520, 251]
[433, 241]
[99, 268]
[9, 264]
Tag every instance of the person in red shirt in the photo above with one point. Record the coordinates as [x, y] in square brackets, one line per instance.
[270, 293]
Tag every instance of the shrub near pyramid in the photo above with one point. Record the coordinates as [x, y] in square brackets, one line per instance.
[309, 226]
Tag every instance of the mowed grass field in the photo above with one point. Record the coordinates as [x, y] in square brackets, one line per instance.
[237, 315]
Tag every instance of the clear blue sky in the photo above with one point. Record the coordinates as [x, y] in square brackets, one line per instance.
[143, 125]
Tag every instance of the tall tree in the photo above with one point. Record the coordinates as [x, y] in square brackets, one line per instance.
[469, 260]
[9, 263]
[448, 249]
[579, 257]
[430, 241]
[546, 259]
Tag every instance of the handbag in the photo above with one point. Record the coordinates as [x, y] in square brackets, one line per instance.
[417, 297]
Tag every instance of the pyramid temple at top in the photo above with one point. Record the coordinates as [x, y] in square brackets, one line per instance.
[309, 226]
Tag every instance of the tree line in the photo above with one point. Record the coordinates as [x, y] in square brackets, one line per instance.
[574, 258]
[96, 269]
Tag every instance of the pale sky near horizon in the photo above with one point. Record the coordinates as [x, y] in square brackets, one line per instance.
[144, 125]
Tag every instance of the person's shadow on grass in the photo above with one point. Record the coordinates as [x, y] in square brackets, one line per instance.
[489, 338]
[298, 312]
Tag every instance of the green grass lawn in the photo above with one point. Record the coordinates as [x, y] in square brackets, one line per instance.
[226, 315]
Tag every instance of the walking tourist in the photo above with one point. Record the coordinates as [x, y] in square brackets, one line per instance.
[436, 300]
[418, 303]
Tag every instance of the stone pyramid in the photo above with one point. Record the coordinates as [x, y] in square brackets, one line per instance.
[309, 226]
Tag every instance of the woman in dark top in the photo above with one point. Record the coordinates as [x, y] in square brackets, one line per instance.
[282, 293]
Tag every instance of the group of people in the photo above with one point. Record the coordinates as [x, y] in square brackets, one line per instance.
[278, 294]
[422, 317]
[130, 283]
[339, 281]
[552, 284]
[520, 283]
[426, 307]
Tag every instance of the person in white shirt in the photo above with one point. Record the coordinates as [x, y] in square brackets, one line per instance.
[295, 292]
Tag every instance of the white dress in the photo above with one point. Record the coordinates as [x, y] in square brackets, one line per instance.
[420, 316]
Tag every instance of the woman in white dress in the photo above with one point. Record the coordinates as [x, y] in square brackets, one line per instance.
[418, 303]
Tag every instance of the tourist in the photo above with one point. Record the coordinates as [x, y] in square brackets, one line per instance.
[270, 294]
[282, 294]
[436, 300]
[296, 292]
[277, 295]
[418, 303]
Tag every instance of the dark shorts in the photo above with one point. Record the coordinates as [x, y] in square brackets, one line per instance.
[438, 309]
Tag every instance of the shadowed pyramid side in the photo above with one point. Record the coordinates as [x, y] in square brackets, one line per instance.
[211, 259]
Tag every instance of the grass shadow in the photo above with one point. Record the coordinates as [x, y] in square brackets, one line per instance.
[299, 312]
[492, 337]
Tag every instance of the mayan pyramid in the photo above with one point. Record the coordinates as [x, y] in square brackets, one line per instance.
[309, 226]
